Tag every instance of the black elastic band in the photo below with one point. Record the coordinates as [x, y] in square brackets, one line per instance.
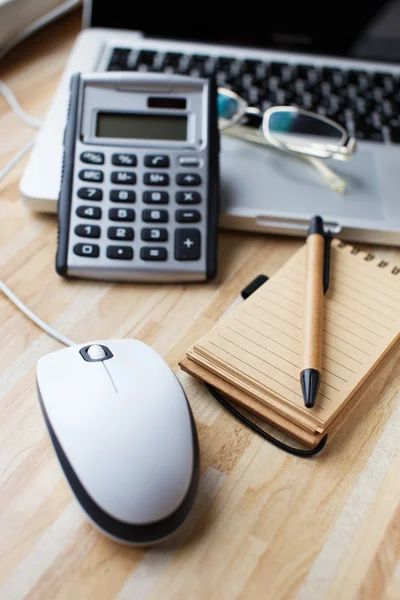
[296, 452]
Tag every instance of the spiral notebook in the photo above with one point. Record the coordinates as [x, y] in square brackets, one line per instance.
[253, 355]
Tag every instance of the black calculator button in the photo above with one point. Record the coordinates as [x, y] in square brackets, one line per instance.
[155, 197]
[90, 193]
[124, 160]
[123, 177]
[189, 161]
[156, 179]
[187, 216]
[156, 161]
[121, 214]
[155, 216]
[120, 233]
[189, 179]
[89, 212]
[188, 198]
[123, 196]
[89, 231]
[93, 158]
[154, 235]
[120, 252]
[153, 254]
[91, 175]
[89, 250]
[187, 244]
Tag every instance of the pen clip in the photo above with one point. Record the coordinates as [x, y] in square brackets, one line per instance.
[327, 260]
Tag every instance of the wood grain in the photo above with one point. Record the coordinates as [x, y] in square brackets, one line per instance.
[265, 525]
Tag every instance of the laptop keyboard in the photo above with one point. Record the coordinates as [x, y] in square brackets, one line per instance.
[366, 103]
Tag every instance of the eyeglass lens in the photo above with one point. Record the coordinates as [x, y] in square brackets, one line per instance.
[293, 127]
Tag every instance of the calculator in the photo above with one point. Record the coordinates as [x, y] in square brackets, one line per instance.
[139, 197]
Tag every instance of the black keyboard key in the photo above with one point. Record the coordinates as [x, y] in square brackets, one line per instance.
[172, 60]
[158, 254]
[197, 64]
[88, 231]
[155, 216]
[188, 179]
[276, 68]
[123, 177]
[187, 244]
[188, 198]
[119, 59]
[364, 131]
[154, 234]
[187, 216]
[123, 159]
[90, 193]
[120, 233]
[251, 66]
[155, 197]
[89, 250]
[92, 158]
[121, 214]
[156, 161]
[305, 71]
[394, 135]
[120, 252]
[156, 179]
[146, 59]
[91, 175]
[125, 196]
[89, 212]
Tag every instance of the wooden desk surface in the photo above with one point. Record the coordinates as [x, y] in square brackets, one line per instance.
[266, 525]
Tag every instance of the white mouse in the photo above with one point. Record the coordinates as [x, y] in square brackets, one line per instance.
[124, 434]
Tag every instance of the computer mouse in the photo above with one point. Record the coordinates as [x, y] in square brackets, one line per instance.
[124, 434]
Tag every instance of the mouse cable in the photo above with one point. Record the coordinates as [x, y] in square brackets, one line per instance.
[31, 315]
[28, 119]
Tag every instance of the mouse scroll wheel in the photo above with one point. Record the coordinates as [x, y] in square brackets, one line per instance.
[96, 352]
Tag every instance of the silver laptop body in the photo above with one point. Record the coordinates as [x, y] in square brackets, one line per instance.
[262, 189]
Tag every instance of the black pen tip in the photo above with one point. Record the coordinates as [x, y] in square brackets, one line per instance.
[316, 226]
[310, 380]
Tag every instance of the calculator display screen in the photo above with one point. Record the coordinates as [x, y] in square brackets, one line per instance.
[141, 126]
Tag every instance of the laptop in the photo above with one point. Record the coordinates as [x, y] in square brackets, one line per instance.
[346, 67]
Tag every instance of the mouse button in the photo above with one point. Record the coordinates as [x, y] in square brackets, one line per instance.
[64, 380]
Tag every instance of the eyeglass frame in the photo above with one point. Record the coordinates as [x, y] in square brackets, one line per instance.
[342, 151]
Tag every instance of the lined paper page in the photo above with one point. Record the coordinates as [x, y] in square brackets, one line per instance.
[258, 346]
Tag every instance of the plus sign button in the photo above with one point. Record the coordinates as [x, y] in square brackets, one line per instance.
[187, 244]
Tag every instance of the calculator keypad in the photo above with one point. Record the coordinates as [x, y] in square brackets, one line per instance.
[89, 212]
[121, 214]
[89, 231]
[121, 233]
[123, 177]
[155, 216]
[123, 196]
[139, 180]
[90, 193]
[120, 252]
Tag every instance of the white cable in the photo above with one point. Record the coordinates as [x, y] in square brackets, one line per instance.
[17, 108]
[15, 160]
[15, 300]
[28, 119]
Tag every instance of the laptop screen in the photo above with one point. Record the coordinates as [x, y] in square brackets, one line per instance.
[355, 29]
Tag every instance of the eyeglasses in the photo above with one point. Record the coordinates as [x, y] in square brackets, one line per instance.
[292, 130]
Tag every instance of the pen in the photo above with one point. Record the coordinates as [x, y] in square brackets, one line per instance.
[316, 284]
